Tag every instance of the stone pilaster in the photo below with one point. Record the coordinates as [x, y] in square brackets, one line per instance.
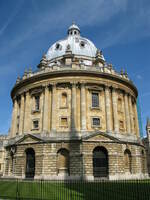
[136, 120]
[21, 119]
[46, 110]
[27, 117]
[108, 107]
[14, 119]
[83, 107]
[53, 113]
[73, 107]
[131, 114]
[115, 110]
[128, 127]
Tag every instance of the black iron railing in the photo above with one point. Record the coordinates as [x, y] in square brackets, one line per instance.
[75, 190]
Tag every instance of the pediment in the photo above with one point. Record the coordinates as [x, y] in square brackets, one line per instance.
[99, 136]
[28, 139]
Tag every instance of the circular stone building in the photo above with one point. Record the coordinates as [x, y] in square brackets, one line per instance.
[74, 118]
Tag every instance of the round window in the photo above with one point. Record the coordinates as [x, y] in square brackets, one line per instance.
[57, 46]
[82, 44]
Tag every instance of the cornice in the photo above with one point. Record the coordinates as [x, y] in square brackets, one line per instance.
[44, 76]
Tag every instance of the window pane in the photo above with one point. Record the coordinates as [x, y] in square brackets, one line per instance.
[95, 100]
[96, 121]
[37, 102]
[36, 124]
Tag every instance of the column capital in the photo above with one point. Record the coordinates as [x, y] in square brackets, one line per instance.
[82, 83]
[107, 86]
[45, 85]
[73, 83]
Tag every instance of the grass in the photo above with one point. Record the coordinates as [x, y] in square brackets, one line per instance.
[58, 190]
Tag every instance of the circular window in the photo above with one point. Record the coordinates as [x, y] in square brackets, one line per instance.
[58, 46]
[82, 44]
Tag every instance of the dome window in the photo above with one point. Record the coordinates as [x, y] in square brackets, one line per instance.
[82, 44]
[75, 32]
[58, 46]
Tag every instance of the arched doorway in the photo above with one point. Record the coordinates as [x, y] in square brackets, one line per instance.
[128, 161]
[63, 162]
[100, 162]
[30, 163]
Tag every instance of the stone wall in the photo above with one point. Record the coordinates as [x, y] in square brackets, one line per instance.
[80, 160]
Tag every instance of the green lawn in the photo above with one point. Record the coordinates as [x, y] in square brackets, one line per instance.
[48, 190]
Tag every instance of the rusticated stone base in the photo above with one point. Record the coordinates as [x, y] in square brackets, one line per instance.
[50, 159]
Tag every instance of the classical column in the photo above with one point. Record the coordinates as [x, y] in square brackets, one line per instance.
[53, 113]
[115, 110]
[14, 119]
[46, 110]
[27, 115]
[136, 120]
[83, 107]
[107, 106]
[21, 119]
[131, 114]
[127, 113]
[73, 107]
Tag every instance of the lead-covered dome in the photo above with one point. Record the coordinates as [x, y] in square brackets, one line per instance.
[74, 43]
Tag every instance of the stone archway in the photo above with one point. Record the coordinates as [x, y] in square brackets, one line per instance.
[63, 161]
[30, 163]
[100, 162]
[128, 161]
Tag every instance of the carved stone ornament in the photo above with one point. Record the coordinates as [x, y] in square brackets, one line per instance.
[68, 47]
[13, 150]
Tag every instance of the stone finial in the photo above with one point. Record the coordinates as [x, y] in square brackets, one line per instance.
[110, 66]
[18, 79]
[43, 62]
[98, 53]
[125, 73]
[121, 72]
[99, 58]
[30, 70]
[25, 72]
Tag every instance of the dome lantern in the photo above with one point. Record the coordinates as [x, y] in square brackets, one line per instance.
[73, 30]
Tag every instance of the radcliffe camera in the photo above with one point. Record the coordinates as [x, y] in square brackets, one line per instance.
[76, 127]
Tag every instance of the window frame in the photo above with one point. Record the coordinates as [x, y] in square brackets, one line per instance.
[98, 105]
[121, 128]
[64, 126]
[37, 108]
[61, 106]
[92, 120]
[35, 128]
[120, 108]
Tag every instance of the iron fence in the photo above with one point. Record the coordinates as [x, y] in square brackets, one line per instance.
[75, 190]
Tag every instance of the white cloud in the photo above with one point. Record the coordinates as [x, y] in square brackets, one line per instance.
[87, 13]
[11, 17]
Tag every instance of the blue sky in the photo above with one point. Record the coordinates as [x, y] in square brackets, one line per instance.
[121, 28]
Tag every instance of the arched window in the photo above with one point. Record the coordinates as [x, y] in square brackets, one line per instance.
[128, 161]
[30, 163]
[100, 162]
[64, 100]
[63, 161]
